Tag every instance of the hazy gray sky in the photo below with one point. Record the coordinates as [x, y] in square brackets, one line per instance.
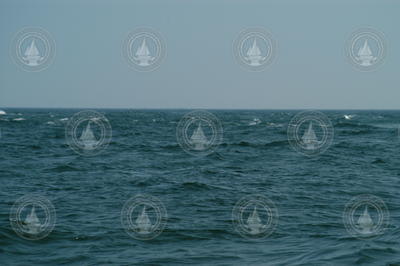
[200, 71]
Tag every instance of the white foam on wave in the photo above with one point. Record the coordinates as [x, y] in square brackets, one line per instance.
[64, 119]
[348, 117]
[19, 119]
[255, 121]
[271, 124]
[386, 125]
[2, 112]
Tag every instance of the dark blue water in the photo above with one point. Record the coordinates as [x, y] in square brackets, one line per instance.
[199, 193]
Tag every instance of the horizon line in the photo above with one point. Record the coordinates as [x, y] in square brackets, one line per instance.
[203, 108]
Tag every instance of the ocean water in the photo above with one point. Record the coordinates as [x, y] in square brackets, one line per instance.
[199, 193]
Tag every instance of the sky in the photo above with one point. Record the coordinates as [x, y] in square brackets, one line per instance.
[310, 70]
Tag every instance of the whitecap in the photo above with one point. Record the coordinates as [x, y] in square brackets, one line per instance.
[19, 119]
[348, 117]
[2, 112]
[255, 121]
[271, 124]
[64, 119]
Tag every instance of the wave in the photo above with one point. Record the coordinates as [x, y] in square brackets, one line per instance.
[241, 143]
[195, 186]
[170, 147]
[378, 161]
[186, 234]
[356, 132]
[35, 147]
[348, 117]
[276, 143]
[341, 254]
[354, 125]
[255, 122]
[62, 168]
[271, 124]
[348, 124]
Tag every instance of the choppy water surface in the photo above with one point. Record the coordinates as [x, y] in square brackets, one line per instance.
[199, 193]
